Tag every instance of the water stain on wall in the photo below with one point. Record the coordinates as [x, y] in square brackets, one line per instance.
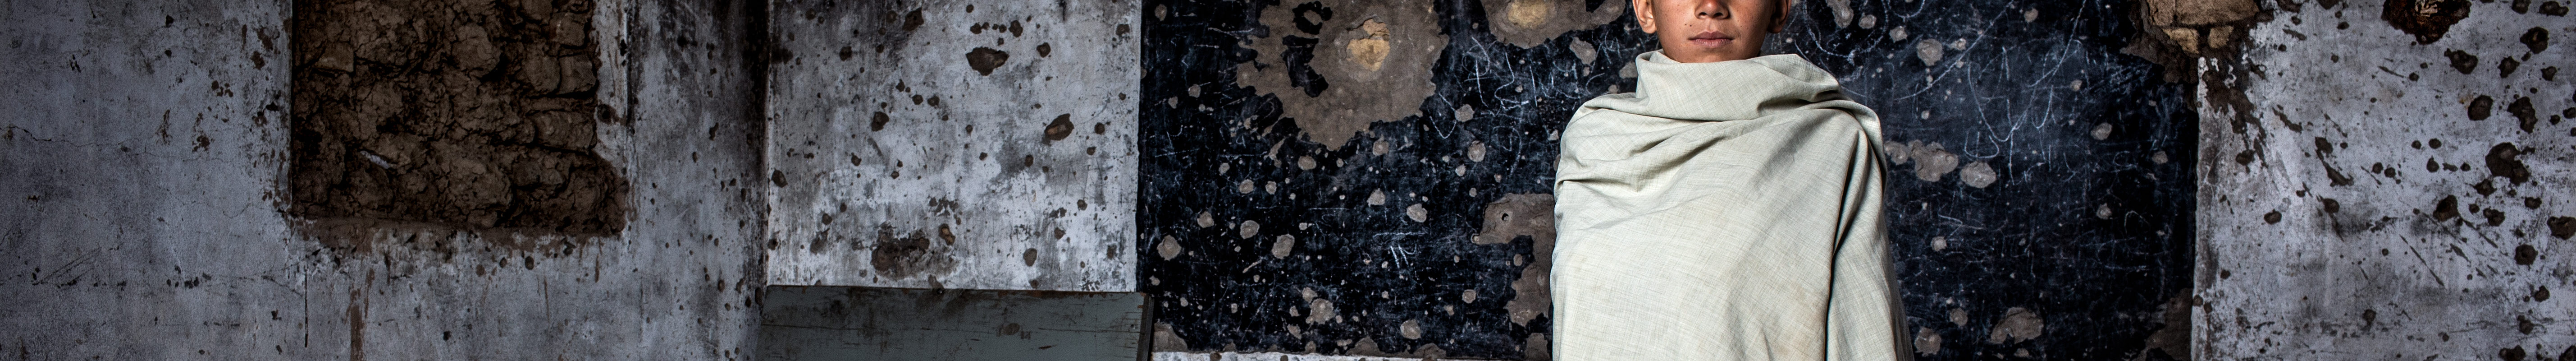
[2018, 324]
[1509, 220]
[472, 116]
[1531, 23]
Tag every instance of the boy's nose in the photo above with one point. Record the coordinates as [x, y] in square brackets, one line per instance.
[1711, 9]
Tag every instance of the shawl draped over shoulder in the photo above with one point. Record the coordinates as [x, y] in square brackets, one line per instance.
[1723, 211]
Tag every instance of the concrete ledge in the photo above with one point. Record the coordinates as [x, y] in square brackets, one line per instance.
[871, 323]
[1269, 356]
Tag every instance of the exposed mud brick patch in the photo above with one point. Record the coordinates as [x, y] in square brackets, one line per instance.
[2176, 32]
[469, 116]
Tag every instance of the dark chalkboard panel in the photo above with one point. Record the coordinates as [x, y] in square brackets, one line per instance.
[2054, 219]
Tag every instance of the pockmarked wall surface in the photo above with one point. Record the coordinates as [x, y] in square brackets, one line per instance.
[147, 149]
[942, 144]
[2390, 180]
[1372, 178]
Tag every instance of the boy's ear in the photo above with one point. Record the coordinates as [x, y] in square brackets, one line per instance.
[1645, 14]
[1780, 19]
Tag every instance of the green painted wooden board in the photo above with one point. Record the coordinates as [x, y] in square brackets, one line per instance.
[870, 323]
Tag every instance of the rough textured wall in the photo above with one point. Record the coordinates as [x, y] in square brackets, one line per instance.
[936, 144]
[1371, 178]
[147, 155]
[2390, 180]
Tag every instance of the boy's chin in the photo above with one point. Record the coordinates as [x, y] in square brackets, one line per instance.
[1694, 54]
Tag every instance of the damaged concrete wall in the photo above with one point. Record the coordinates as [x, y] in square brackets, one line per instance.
[149, 148]
[2390, 180]
[938, 144]
[2364, 179]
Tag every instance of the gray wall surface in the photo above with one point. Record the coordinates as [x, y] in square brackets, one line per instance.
[938, 144]
[143, 148]
[2383, 183]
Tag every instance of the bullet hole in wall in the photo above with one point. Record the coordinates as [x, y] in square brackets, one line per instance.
[984, 60]
[2427, 20]
[2462, 61]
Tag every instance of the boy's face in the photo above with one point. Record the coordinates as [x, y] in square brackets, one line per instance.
[1701, 31]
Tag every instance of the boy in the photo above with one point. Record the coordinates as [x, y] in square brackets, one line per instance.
[1726, 210]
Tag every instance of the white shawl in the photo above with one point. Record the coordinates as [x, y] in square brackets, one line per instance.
[1724, 211]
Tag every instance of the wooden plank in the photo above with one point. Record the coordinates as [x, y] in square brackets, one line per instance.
[872, 323]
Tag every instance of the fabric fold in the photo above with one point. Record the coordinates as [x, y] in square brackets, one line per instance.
[1724, 211]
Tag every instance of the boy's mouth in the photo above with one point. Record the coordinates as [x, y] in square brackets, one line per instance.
[1711, 39]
